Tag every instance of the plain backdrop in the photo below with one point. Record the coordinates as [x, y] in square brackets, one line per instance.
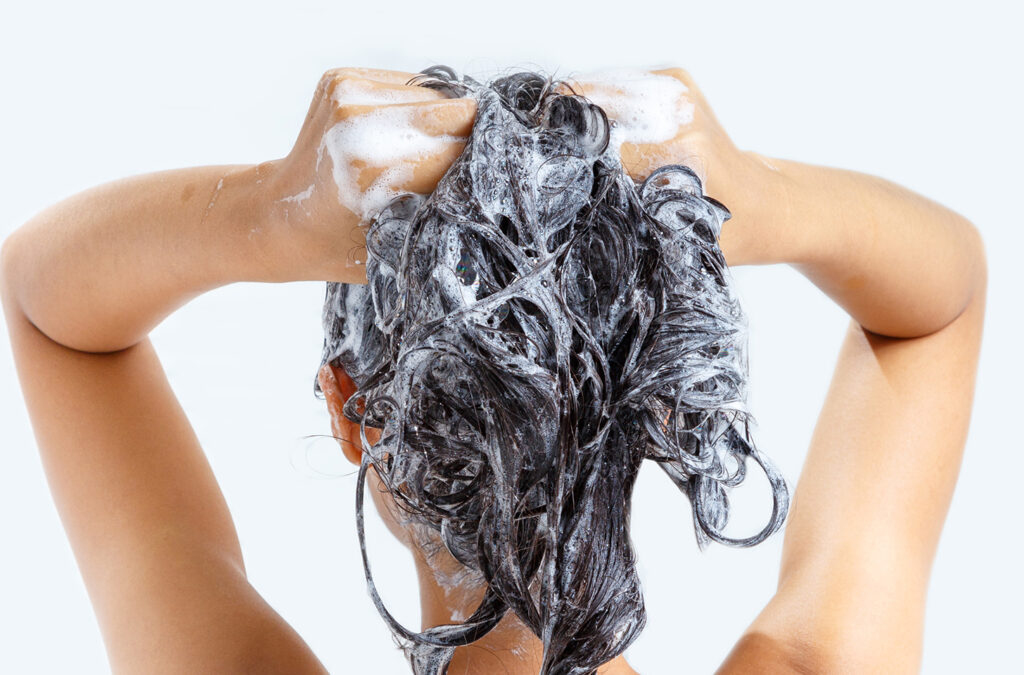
[925, 94]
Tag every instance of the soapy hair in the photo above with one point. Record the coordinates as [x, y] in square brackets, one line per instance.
[530, 333]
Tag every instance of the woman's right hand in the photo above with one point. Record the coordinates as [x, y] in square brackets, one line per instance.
[368, 136]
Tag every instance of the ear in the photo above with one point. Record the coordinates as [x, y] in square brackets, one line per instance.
[338, 387]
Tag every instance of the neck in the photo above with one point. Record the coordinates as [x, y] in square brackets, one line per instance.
[510, 648]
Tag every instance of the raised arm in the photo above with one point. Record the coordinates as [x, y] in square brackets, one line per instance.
[872, 499]
[900, 264]
[149, 527]
[82, 284]
[885, 455]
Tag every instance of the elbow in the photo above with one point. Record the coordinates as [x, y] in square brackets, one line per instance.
[8, 265]
[980, 263]
[968, 287]
[976, 282]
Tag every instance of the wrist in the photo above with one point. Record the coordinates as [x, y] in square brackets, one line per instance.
[758, 194]
[300, 231]
[241, 212]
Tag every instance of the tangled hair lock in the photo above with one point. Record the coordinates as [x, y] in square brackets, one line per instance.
[529, 334]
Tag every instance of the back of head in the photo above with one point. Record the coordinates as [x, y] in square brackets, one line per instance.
[529, 334]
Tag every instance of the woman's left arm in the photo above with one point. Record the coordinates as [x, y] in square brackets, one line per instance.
[82, 284]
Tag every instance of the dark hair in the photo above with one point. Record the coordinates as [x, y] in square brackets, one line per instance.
[530, 333]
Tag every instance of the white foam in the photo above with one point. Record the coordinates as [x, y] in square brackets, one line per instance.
[355, 306]
[381, 137]
[299, 197]
[647, 107]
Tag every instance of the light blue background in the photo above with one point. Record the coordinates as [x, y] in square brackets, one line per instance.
[925, 94]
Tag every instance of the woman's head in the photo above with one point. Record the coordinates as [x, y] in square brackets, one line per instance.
[529, 334]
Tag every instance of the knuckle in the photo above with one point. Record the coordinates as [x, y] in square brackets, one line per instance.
[346, 112]
[332, 77]
[679, 74]
[338, 73]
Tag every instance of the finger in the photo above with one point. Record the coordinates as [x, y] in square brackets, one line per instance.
[376, 74]
[360, 91]
[359, 83]
[421, 171]
[678, 73]
[428, 171]
[446, 117]
[693, 92]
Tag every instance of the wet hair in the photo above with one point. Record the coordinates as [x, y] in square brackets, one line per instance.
[530, 333]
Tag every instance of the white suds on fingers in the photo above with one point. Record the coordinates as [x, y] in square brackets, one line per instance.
[380, 137]
[647, 107]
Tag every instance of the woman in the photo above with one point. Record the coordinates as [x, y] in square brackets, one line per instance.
[85, 280]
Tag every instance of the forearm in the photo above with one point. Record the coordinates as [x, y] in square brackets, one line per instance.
[872, 498]
[900, 264]
[95, 272]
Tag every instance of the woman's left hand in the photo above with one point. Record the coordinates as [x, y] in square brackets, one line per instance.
[368, 136]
